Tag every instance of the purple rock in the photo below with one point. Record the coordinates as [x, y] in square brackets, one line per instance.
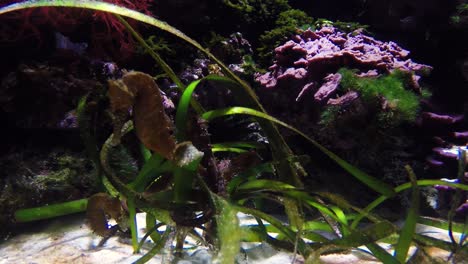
[462, 209]
[441, 119]
[267, 80]
[445, 153]
[70, 120]
[328, 88]
[301, 63]
[315, 54]
[434, 163]
[345, 99]
[439, 141]
[292, 73]
[444, 187]
[369, 73]
[461, 135]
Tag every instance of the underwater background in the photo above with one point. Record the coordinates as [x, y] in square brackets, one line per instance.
[308, 110]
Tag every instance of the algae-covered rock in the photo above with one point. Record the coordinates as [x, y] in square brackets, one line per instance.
[33, 177]
[305, 77]
[287, 24]
[365, 115]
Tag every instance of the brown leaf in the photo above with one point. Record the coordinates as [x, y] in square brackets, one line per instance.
[153, 126]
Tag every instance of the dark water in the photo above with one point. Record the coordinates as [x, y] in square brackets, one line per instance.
[48, 63]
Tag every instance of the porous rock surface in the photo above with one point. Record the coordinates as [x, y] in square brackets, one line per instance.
[309, 61]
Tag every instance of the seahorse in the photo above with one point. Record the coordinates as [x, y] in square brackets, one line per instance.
[101, 208]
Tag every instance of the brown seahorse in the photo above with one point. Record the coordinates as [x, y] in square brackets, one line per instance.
[138, 91]
[101, 208]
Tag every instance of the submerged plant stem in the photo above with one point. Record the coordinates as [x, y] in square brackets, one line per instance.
[166, 68]
[50, 211]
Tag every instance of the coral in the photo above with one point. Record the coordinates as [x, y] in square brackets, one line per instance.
[31, 20]
[114, 30]
[105, 28]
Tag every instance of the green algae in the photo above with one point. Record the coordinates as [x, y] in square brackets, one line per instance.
[402, 105]
[288, 23]
[229, 232]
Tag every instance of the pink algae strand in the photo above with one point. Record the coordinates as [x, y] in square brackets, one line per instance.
[105, 28]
